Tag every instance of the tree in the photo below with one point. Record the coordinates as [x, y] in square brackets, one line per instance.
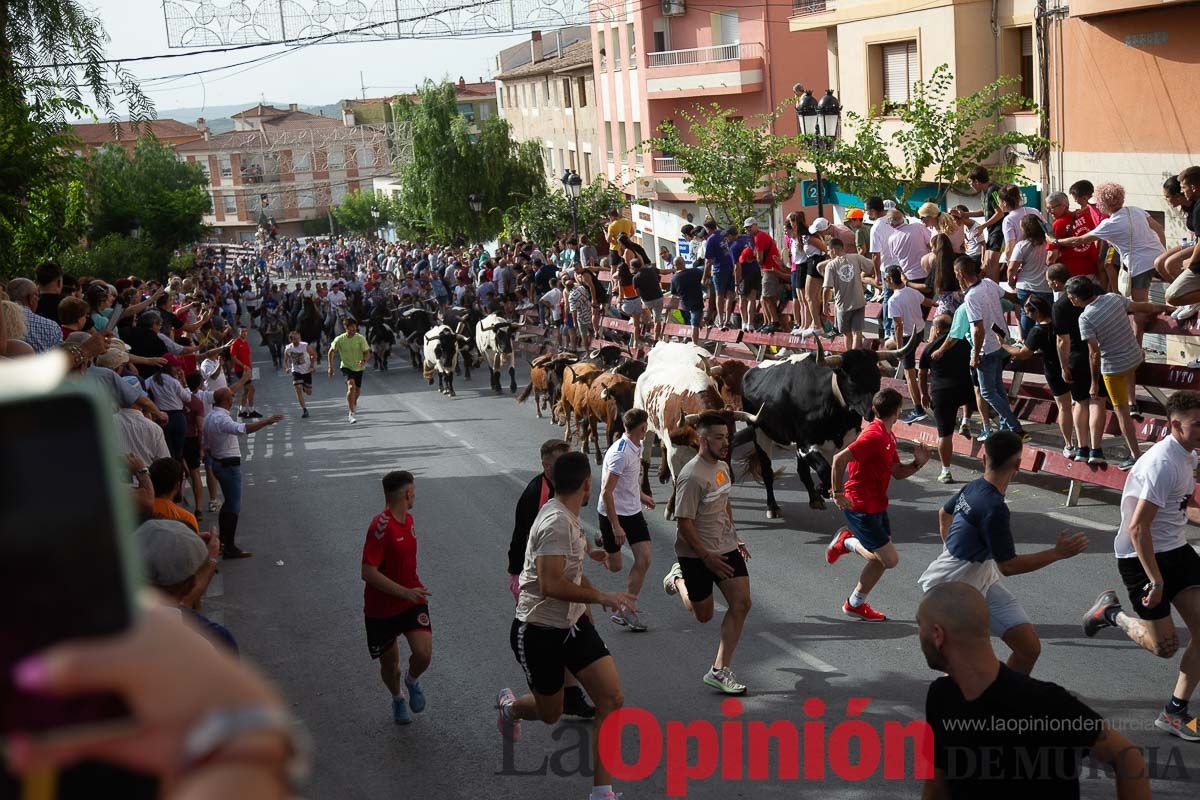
[354, 212]
[547, 214]
[729, 163]
[940, 139]
[449, 164]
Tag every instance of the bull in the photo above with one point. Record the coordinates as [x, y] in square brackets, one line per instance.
[574, 402]
[464, 321]
[609, 396]
[545, 379]
[413, 323]
[441, 356]
[494, 336]
[380, 337]
[813, 403]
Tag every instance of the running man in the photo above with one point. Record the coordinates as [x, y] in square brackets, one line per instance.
[1157, 564]
[708, 549]
[873, 462]
[620, 510]
[394, 599]
[979, 549]
[552, 630]
[352, 349]
[242, 363]
[536, 494]
[298, 358]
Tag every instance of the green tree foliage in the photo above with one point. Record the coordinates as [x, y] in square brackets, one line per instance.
[449, 164]
[547, 215]
[940, 139]
[728, 162]
[354, 212]
[114, 257]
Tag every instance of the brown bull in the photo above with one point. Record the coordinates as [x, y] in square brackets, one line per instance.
[728, 375]
[545, 374]
[610, 395]
[576, 380]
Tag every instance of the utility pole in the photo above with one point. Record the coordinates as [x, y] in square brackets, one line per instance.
[362, 85]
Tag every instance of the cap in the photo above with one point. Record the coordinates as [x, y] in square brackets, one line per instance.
[78, 337]
[115, 356]
[171, 551]
[890, 205]
[819, 224]
[854, 213]
[748, 221]
[731, 231]
[133, 381]
[928, 210]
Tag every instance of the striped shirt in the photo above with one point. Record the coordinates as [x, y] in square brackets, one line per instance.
[1106, 320]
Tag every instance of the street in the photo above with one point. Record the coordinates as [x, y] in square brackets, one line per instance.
[312, 486]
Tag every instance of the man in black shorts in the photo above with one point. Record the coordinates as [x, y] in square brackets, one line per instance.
[946, 387]
[394, 599]
[552, 630]
[1076, 366]
[352, 349]
[708, 547]
[1158, 565]
[299, 358]
[620, 510]
[993, 220]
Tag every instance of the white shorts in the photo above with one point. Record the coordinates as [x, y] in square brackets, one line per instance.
[1004, 612]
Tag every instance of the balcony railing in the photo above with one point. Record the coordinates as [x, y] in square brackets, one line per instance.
[704, 55]
[668, 166]
[802, 8]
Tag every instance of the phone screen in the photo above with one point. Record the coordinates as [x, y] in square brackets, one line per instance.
[115, 317]
[61, 570]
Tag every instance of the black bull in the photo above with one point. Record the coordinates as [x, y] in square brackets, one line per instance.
[815, 404]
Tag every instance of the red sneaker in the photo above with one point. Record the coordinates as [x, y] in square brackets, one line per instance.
[837, 548]
[863, 612]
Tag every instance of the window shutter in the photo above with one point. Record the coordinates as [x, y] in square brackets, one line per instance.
[1027, 42]
[900, 70]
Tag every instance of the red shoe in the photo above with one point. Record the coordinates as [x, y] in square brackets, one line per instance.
[863, 612]
[837, 548]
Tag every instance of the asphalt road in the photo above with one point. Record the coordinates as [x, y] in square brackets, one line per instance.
[296, 608]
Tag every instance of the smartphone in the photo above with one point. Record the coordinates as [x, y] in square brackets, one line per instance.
[115, 317]
[68, 562]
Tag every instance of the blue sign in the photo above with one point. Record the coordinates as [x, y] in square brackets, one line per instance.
[683, 247]
[808, 192]
[832, 195]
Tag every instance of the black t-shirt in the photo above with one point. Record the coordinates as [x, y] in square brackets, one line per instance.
[648, 285]
[1065, 318]
[1041, 340]
[952, 370]
[635, 249]
[991, 204]
[686, 285]
[1193, 218]
[48, 306]
[1021, 738]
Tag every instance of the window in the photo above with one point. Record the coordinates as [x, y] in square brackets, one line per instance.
[631, 40]
[581, 91]
[620, 141]
[637, 135]
[302, 162]
[562, 160]
[339, 193]
[899, 72]
[566, 93]
[603, 49]
[336, 158]
[305, 199]
[660, 41]
[1017, 59]
[467, 111]
[616, 48]
[725, 27]
[485, 111]
[546, 89]
[226, 167]
[229, 203]
[608, 139]
[364, 157]
[571, 156]
[587, 168]
[548, 159]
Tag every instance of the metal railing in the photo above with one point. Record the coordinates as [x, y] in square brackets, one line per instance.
[704, 55]
[667, 166]
[802, 8]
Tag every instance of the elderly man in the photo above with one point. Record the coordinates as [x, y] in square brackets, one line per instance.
[222, 441]
[181, 564]
[40, 333]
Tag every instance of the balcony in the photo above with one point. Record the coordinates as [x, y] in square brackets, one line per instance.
[720, 69]
[803, 8]
[668, 166]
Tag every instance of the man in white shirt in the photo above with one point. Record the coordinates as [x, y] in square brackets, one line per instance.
[620, 510]
[907, 244]
[881, 231]
[986, 315]
[905, 310]
[140, 436]
[298, 358]
[1158, 565]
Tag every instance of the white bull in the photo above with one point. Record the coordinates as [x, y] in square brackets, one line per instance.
[494, 337]
[440, 352]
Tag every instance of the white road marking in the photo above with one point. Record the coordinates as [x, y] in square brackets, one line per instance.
[790, 649]
[1072, 519]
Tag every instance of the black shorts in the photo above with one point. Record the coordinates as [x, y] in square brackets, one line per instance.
[304, 378]
[382, 631]
[237, 376]
[699, 579]
[1081, 378]
[191, 452]
[544, 652]
[1180, 570]
[810, 267]
[353, 375]
[633, 525]
[946, 403]
[751, 282]
[1054, 380]
[995, 239]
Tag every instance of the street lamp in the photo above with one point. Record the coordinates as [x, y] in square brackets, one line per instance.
[375, 218]
[475, 201]
[821, 122]
[572, 186]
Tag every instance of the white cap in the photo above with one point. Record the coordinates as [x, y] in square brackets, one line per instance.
[819, 224]
[748, 221]
[890, 205]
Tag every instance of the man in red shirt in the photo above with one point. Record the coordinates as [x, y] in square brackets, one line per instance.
[239, 355]
[767, 253]
[873, 462]
[1081, 259]
[394, 597]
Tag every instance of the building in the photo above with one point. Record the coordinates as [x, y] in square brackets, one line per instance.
[653, 59]
[286, 167]
[476, 103]
[551, 99]
[93, 135]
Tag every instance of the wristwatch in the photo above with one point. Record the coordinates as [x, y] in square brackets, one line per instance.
[220, 728]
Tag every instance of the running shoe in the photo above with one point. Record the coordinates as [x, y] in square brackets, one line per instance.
[1096, 457]
[416, 697]
[1182, 725]
[669, 581]
[837, 548]
[964, 428]
[797, 330]
[353, 419]
[305, 414]
[1081, 454]
[213, 505]
[863, 612]
[945, 477]
[1126, 463]
[984, 434]
[632, 620]
[808, 332]
[509, 728]
[1068, 452]
[576, 705]
[254, 415]
[913, 415]
[1185, 312]
[725, 681]
[400, 713]
[1097, 616]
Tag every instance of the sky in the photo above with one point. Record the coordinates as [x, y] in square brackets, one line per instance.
[314, 75]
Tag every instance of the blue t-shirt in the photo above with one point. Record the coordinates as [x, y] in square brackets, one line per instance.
[735, 251]
[716, 251]
[980, 529]
[686, 285]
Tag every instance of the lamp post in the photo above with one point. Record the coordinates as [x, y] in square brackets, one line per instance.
[475, 201]
[822, 122]
[572, 186]
[375, 219]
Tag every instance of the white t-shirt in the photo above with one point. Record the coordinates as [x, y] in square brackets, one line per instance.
[554, 298]
[905, 305]
[214, 376]
[1164, 475]
[336, 298]
[297, 358]
[1011, 226]
[624, 459]
[907, 245]
[881, 231]
[1130, 233]
[1033, 266]
[983, 304]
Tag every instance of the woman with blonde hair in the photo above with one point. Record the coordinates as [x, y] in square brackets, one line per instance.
[12, 336]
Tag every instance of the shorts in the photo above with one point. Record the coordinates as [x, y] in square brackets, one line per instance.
[303, 378]
[237, 376]
[1180, 570]
[544, 652]
[850, 321]
[771, 285]
[634, 526]
[995, 239]
[1141, 281]
[873, 531]
[945, 405]
[1054, 380]
[723, 280]
[353, 375]
[1188, 282]
[910, 360]
[191, 452]
[798, 280]
[632, 307]
[810, 267]
[693, 316]
[699, 579]
[654, 306]
[751, 282]
[383, 631]
[1004, 612]
[1081, 374]
[1118, 386]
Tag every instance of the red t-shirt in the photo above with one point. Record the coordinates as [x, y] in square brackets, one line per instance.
[768, 252]
[1081, 259]
[874, 454]
[240, 349]
[392, 548]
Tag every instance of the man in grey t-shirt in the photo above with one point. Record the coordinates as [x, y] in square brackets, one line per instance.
[844, 284]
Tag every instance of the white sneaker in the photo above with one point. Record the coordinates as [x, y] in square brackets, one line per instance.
[353, 419]
[808, 332]
[797, 330]
[1185, 312]
[945, 476]
[1194, 363]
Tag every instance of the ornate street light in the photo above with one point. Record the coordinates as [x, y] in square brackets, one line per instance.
[572, 186]
[822, 123]
[476, 202]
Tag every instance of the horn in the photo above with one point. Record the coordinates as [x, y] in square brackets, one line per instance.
[820, 352]
[893, 355]
[749, 419]
[833, 362]
[837, 392]
[690, 419]
[462, 339]
[604, 393]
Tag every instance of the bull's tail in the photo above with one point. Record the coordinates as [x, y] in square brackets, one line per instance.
[750, 467]
[524, 395]
[427, 371]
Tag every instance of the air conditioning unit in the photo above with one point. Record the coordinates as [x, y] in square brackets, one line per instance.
[673, 8]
